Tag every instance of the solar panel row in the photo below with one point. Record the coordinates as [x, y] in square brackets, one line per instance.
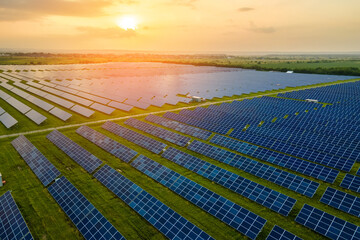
[12, 223]
[351, 182]
[163, 218]
[277, 233]
[137, 138]
[158, 132]
[277, 176]
[84, 158]
[326, 224]
[230, 213]
[6, 119]
[38, 163]
[90, 222]
[118, 150]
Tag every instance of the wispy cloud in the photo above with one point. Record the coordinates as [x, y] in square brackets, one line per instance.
[246, 9]
[257, 29]
[114, 32]
[183, 3]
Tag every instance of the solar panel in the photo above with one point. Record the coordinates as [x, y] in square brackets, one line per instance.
[141, 105]
[4, 95]
[351, 182]
[60, 113]
[120, 106]
[326, 224]
[158, 132]
[137, 138]
[163, 218]
[118, 150]
[35, 116]
[342, 201]
[102, 108]
[358, 172]
[7, 120]
[38, 163]
[277, 233]
[230, 213]
[12, 223]
[189, 130]
[60, 101]
[21, 107]
[40, 103]
[84, 158]
[2, 110]
[87, 219]
[82, 110]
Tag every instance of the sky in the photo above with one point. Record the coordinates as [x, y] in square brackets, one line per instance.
[182, 25]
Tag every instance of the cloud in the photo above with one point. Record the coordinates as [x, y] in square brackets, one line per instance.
[246, 9]
[256, 29]
[114, 32]
[183, 3]
[23, 9]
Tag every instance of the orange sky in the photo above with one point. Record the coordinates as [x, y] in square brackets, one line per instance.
[176, 25]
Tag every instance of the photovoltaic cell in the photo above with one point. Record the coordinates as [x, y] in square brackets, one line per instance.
[38, 163]
[35, 116]
[118, 150]
[137, 138]
[7, 120]
[358, 172]
[87, 219]
[12, 223]
[60, 113]
[277, 233]
[102, 108]
[342, 201]
[163, 218]
[326, 224]
[82, 110]
[120, 106]
[84, 158]
[230, 213]
[351, 182]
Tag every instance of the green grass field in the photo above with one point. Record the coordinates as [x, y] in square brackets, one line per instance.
[46, 220]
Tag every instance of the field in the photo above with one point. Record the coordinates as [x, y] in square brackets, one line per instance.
[46, 220]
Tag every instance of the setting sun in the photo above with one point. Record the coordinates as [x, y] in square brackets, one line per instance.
[127, 22]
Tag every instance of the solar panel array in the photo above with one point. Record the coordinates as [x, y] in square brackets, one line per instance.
[158, 132]
[118, 150]
[291, 181]
[230, 213]
[166, 220]
[38, 163]
[84, 158]
[90, 222]
[307, 168]
[342, 201]
[326, 224]
[189, 130]
[358, 172]
[6, 119]
[137, 138]
[277, 233]
[351, 182]
[12, 223]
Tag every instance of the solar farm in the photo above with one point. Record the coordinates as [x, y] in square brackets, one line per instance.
[122, 151]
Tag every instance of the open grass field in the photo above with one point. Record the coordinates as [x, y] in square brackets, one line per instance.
[46, 220]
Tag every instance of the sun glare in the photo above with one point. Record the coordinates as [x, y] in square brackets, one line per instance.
[127, 22]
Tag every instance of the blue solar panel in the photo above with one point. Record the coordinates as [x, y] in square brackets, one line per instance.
[283, 160]
[280, 177]
[158, 132]
[230, 213]
[326, 224]
[351, 182]
[358, 172]
[277, 233]
[166, 220]
[118, 150]
[38, 163]
[180, 127]
[342, 201]
[12, 223]
[137, 138]
[84, 158]
[90, 222]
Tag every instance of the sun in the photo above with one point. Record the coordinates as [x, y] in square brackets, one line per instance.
[127, 22]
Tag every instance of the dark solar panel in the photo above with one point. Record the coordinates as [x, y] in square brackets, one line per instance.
[118, 150]
[351, 182]
[342, 201]
[166, 220]
[137, 138]
[230, 213]
[38, 163]
[84, 158]
[277, 233]
[12, 223]
[326, 224]
[90, 222]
